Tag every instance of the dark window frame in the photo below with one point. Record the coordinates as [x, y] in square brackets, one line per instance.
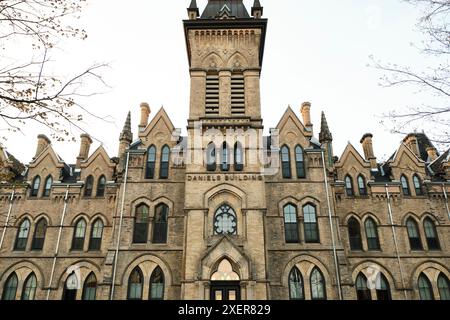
[161, 224]
[211, 157]
[311, 228]
[291, 232]
[354, 234]
[151, 162]
[286, 162]
[238, 158]
[406, 189]
[225, 158]
[373, 241]
[101, 187]
[349, 187]
[433, 241]
[89, 186]
[140, 283]
[77, 241]
[140, 229]
[164, 163]
[300, 162]
[362, 187]
[362, 289]
[47, 187]
[295, 274]
[35, 186]
[417, 182]
[415, 242]
[38, 241]
[157, 272]
[21, 242]
[95, 243]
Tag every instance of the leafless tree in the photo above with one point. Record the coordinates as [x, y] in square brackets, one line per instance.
[29, 90]
[433, 79]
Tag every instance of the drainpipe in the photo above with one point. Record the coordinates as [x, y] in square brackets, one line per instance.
[338, 277]
[58, 242]
[11, 202]
[446, 201]
[395, 240]
[119, 233]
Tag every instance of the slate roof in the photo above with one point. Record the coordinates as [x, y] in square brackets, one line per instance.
[214, 7]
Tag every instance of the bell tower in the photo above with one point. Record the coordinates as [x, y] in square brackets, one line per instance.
[225, 47]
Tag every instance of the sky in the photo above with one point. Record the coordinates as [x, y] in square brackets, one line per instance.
[316, 51]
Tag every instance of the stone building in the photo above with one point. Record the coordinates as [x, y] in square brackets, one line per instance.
[226, 212]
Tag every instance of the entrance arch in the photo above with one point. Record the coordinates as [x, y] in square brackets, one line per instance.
[225, 283]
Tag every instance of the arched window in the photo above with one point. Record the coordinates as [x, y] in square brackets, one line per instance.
[317, 285]
[425, 288]
[362, 289]
[354, 234]
[89, 186]
[48, 186]
[164, 168]
[160, 223]
[286, 162]
[71, 286]
[78, 235]
[151, 163]
[211, 161]
[90, 287]
[431, 234]
[238, 157]
[300, 162]
[405, 186]
[373, 242]
[22, 235]
[413, 234]
[29, 287]
[296, 289]
[382, 287]
[101, 186]
[444, 287]
[225, 221]
[225, 158]
[140, 233]
[349, 186]
[157, 285]
[35, 186]
[310, 224]
[135, 284]
[39, 235]
[95, 243]
[10, 288]
[290, 224]
[362, 186]
[418, 185]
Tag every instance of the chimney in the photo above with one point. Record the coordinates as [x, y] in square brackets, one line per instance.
[43, 142]
[306, 114]
[367, 145]
[85, 146]
[432, 153]
[411, 142]
[145, 113]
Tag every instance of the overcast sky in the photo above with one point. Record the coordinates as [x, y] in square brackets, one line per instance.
[316, 51]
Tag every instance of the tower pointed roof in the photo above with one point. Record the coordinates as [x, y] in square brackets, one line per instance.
[126, 133]
[193, 7]
[325, 133]
[234, 8]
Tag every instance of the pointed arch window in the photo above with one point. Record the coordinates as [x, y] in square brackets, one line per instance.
[135, 284]
[90, 287]
[35, 186]
[318, 289]
[286, 163]
[157, 285]
[300, 162]
[79, 235]
[140, 233]
[417, 185]
[444, 287]
[225, 158]
[165, 157]
[225, 221]
[160, 223]
[71, 286]
[296, 288]
[362, 187]
[22, 235]
[373, 241]
[310, 224]
[431, 234]
[354, 234]
[362, 289]
[405, 186]
[89, 186]
[349, 186]
[211, 161]
[382, 287]
[48, 186]
[10, 288]
[29, 287]
[238, 157]
[95, 242]
[101, 187]
[151, 163]
[39, 235]
[413, 234]
[425, 288]
[290, 224]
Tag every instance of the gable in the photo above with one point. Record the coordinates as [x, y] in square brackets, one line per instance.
[48, 155]
[406, 158]
[291, 127]
[352, 158]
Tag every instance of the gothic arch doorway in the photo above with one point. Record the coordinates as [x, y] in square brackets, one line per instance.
[225, 283]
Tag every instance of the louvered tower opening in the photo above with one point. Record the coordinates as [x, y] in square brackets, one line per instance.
[212, 95]
[237, 94]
